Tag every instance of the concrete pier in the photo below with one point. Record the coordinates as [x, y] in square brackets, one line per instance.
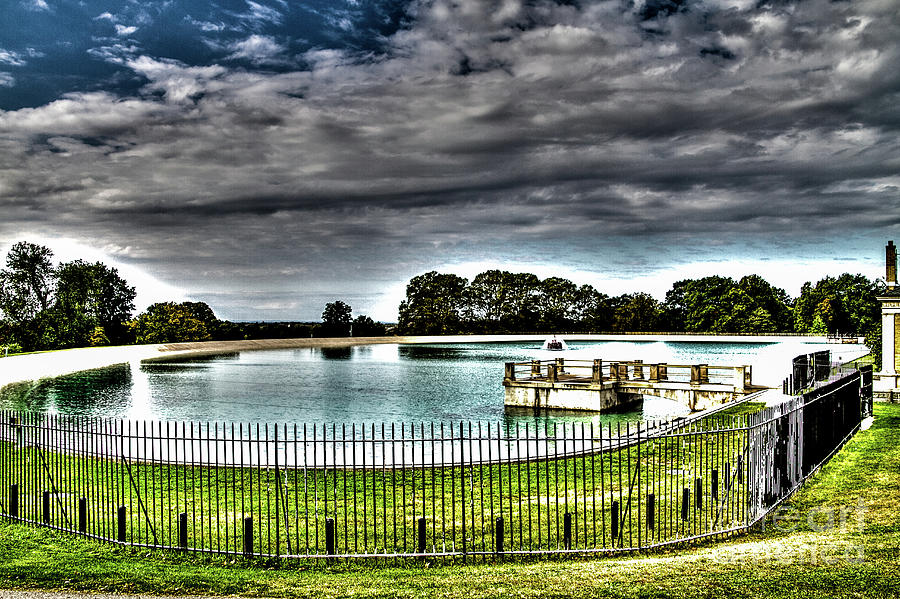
[598, 386]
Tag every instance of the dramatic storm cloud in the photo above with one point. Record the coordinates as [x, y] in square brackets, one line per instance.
[269, 156]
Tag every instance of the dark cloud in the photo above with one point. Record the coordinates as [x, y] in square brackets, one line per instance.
[257, 148]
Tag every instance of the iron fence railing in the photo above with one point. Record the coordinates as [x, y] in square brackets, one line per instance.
[415, 490]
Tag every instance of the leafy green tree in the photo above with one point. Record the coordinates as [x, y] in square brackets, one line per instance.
[433, 305]
[364, 326]
[697, 305]
[168, 322]
[88, 297]
[844, 304]
[26, 289]
[636, 312]
[592, 310]
[555, 303]
[336, 319]
[767, 300]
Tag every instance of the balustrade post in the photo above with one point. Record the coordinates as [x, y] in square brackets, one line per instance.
[552, 374]
[639, 369]
[510, 372]
[597, 372]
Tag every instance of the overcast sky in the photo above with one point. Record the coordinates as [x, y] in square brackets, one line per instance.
[268, 156]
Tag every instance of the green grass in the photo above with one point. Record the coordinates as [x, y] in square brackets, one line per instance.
[789, 559]
[376, 510]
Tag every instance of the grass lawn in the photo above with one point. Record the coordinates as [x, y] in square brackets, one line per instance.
[838, 537]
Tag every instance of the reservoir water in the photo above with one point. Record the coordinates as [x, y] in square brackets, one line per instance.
[373, 383]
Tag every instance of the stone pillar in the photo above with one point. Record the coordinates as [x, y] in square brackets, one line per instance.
[613, 371]
[639, 369]
[510, 373]
[890, 309]
[699, 374]
[597, 372]
[552, 374]
[535, 368]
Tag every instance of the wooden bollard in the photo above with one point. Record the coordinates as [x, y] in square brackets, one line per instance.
[82, 515]
[614, 524]
[122, 532]
[420, 546]
[714, 485]
[329, 536]
[183, 531]
[14, 501]
[248, 537]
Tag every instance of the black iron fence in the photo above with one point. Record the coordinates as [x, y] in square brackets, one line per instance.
[415, 490]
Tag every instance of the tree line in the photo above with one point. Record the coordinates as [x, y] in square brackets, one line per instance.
[78, 304]
[498, 301]
[82, 304]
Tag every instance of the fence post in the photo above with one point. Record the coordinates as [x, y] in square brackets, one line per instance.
[45, 507]
[14, 501]
[614, 525]
[567, 531]
[121, 537]
[715, 484]
[685, 503]
[498, 533]
[698, 492]
[82, 515]
[248, 537]
[651, 511]
[329, 536]
[421, 536]
[182, 530]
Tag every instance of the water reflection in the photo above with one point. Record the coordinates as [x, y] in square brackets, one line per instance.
[365, 384]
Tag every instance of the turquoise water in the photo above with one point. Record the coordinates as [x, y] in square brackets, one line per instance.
[369, 384]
